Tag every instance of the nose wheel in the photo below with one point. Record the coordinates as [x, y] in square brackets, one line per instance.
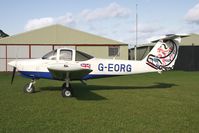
[29, 87]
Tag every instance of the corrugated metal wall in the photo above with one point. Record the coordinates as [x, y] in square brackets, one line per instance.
[16, 52]
[141, 52]
[37, 51]
[62, 46]
[2, 58]
[188, 58]
[12, 52]
[102, 51]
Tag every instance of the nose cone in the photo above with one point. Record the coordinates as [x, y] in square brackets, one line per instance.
[12, 63]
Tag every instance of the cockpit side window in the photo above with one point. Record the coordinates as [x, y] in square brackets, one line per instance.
[51, 55]
[65, 55]
[81, 56]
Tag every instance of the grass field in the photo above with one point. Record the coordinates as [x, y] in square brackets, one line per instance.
[138, 103]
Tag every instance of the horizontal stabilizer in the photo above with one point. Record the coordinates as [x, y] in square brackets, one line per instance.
[170, 37]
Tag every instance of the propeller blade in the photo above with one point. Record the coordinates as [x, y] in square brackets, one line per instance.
[13, 74]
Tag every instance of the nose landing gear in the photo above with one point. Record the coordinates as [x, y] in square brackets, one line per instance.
[29, 87]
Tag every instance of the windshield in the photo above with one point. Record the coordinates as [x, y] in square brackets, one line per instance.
[51, 55]
[81, 56]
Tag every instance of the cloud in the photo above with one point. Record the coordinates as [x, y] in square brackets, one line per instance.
[38, 23]
[111, 11]
[147, 28]
[193, 15]
[66, 19]
[117, 28]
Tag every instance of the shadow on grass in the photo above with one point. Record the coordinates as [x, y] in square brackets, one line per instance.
[84, 92]
[155, 86]
[81, 92]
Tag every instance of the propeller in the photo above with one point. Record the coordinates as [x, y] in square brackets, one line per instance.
[13, 74]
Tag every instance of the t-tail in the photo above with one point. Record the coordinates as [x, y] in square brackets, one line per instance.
[164, 54]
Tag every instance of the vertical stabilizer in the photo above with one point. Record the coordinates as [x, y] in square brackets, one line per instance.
[164, 54]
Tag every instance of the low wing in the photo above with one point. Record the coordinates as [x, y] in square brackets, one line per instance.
[75, 72]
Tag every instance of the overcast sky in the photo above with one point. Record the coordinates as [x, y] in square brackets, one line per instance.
[114, 19]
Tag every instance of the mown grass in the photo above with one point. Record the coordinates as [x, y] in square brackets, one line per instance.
[138, 103]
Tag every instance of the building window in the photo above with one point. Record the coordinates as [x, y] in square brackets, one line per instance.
[113, 51]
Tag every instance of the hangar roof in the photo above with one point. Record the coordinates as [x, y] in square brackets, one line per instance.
[193, 39]
[58, 34]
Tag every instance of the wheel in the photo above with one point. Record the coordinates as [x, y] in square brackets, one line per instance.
[28, 89]
[66, 92]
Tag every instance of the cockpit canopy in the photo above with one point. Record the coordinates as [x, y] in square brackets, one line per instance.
[67, 55]
[52, 55]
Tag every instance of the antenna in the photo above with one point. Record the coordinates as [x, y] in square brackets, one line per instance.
[136, 34]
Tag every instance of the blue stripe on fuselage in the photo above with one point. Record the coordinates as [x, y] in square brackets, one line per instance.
[95, 76]
[47, 75]
[36, 75]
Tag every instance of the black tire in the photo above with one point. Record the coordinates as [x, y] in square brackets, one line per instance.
[66, 92]
[29, 90]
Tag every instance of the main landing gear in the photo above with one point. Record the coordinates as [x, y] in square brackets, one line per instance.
[66, 88]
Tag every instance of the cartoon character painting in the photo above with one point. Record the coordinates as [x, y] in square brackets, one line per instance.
[166, 53]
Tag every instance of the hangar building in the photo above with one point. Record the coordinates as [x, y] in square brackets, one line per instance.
[188, 57]
[36, 43]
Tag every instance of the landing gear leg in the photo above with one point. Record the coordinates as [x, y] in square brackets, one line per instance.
[66, 88]
[29, 87]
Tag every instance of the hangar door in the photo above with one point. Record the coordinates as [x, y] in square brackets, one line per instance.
[2, 58]
[188, 58]
[16, 52]
[39, 51]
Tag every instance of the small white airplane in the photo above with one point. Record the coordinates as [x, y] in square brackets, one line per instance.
[68, 64]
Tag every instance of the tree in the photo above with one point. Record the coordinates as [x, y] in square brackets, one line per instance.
[3, 34]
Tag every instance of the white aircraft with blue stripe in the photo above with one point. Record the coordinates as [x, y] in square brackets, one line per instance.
[66, 65]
